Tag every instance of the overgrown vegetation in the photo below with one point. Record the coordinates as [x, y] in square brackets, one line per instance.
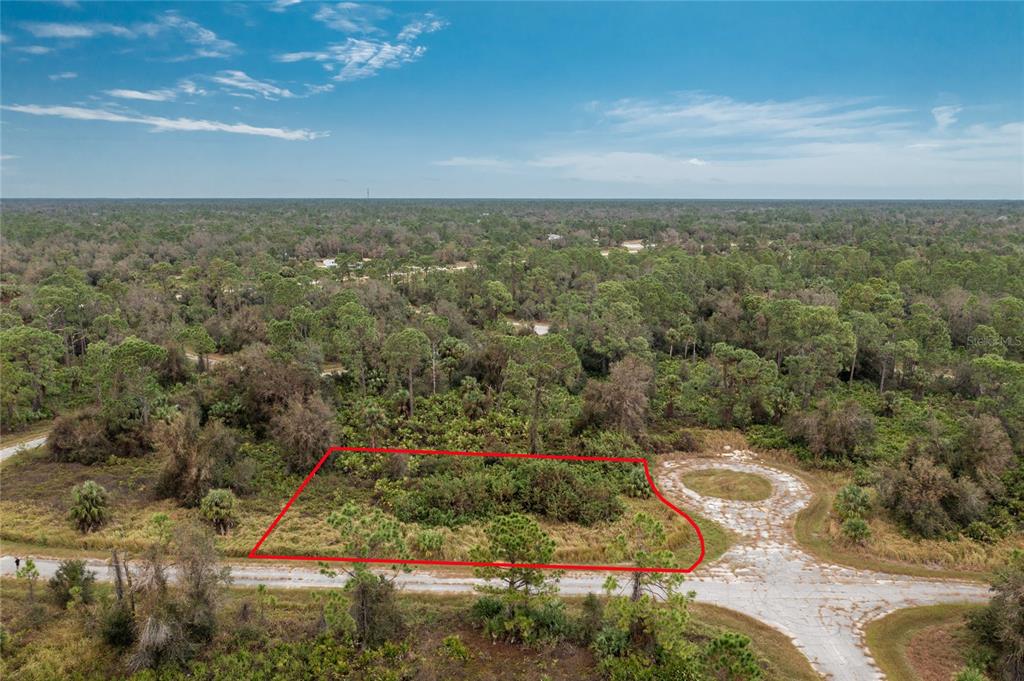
[211, 352]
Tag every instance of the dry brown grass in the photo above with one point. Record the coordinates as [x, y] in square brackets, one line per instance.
[30, 433]
[889, 549]
[33, 515]
[920, 644]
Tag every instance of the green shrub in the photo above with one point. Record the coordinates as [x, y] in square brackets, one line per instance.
[728, 656]
[89, 506]
[543, 620]
[218, 508]
[429, 542]
[79, 437]
[767, 437]
[454, 649]
[856, 529]
[981, 531]
[72, 580]
[970, 674]
[852, 501]
[117, 626]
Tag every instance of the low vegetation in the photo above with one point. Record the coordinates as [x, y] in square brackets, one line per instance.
[727, 484]
[196, 361]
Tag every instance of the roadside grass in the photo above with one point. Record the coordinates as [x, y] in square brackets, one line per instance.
[726, 484]
[782, 660]
[920, 644]
[889, 549]
[36, 498]
[62, 644]
[38, 429]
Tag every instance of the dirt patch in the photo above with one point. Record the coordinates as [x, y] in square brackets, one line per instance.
[35, 479]
[936, 653]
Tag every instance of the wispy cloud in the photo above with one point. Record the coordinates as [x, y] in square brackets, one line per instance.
[230, 81]
[281, 5]
[64, 75]
[161, 124]
[945, 116]
[205, 42]
[358, 58]
[714, 115]
[43, 29]
[352, 17]
[703, 145]
[183, 87]
[428, 23]
[8, 157]
[242, 84]
[143, 95]
[33, 49]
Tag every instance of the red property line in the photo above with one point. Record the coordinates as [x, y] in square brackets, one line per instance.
[468, 563]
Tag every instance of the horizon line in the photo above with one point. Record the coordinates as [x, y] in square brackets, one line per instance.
[499, 198]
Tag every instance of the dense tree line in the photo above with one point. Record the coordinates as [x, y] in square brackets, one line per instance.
[884, 338]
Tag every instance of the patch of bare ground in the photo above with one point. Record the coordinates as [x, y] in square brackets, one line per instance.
[936, 653]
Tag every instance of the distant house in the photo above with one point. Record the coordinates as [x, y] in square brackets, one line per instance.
[327, 263]
[554, 237]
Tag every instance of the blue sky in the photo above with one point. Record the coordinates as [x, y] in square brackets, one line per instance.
[689, 100]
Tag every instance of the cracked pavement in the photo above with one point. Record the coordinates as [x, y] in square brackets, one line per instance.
[823, 608]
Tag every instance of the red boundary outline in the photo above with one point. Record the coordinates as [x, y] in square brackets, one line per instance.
[505, 455]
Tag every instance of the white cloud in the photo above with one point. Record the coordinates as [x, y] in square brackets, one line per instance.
[358, 58]
[352, 17]
[428, 23]
[184, 87]
[161, 124]
[858, 167]
[43, 29]
[34, 49]
[8, 157]
[189, 88]
[242, 83]
[143, 95]
[206, 43]
[282, 5]
[64, 75]
[717, 146]
[319, 89]
[4, 38]
[233, 82]
[718, 116]
[945, 116]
